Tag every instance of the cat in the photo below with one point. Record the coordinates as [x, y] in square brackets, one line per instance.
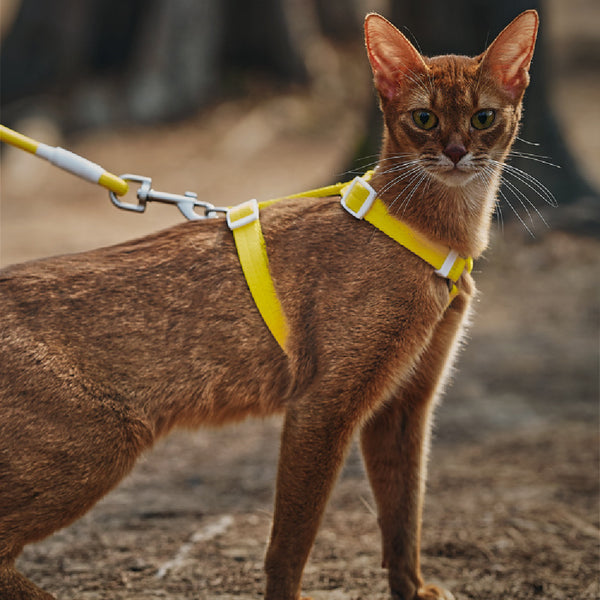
[106, 351]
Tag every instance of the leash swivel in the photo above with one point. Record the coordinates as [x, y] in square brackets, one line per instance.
[186, 203]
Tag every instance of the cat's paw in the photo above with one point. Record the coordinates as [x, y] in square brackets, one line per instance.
[433, 592]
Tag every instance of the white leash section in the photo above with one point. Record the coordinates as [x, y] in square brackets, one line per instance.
[66, 160]
[69, 161]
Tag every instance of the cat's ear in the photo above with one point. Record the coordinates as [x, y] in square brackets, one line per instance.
[509, 56]
[391, 55]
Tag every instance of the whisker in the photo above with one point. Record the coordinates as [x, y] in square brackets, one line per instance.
[410, 173]
[406, 201]
[503, 195]
[522, 198]
[399, 164]
[487, 173]
[535, 208]
[545, 160]
[364, 165]
[403, 167]
[500, 217]
[529, 180]
[410, 189]
[527, 142]
[532, 183]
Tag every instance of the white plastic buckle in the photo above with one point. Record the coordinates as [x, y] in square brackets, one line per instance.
[368, 201]
[237, 223]
[445, 269]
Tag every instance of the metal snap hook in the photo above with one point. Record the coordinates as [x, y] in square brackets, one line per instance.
[142, 193]
[186, 203]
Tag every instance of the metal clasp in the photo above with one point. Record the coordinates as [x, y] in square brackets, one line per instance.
[186, 203]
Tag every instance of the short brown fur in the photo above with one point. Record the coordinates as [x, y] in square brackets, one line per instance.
[104, 352]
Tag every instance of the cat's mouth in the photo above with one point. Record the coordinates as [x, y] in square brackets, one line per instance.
[454, 174]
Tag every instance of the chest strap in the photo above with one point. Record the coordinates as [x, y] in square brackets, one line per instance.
[252, 251]
[360, 200]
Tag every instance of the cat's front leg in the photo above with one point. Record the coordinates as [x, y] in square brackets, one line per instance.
[395, 445]
[315, 437]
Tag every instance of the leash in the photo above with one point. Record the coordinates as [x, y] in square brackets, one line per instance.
[69, 161]
[357, 197]
[77, 165]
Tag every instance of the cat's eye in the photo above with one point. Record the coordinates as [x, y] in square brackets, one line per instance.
[424, 119]
[483, 119]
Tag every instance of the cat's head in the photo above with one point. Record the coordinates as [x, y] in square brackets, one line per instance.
[457, 116]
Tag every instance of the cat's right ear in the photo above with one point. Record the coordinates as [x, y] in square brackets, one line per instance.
[391, 55]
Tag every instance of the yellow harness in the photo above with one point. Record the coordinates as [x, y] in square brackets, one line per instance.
[360, 200]
[357, 197]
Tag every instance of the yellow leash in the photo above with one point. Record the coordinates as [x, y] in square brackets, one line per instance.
[69, 161]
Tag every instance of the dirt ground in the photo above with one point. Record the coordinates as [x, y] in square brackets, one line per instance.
[512, 501]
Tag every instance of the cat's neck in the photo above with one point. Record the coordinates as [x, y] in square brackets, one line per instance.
[456, 216]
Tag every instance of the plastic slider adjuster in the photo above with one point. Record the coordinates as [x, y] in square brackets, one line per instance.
[358, 198]
[445, 269]
[241, 215]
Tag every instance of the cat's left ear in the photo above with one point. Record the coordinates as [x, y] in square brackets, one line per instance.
[509, 56]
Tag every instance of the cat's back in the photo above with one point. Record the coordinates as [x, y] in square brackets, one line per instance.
[158, 256]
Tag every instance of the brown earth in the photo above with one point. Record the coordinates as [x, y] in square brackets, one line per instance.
[512, 502]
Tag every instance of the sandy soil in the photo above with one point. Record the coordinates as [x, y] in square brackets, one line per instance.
[512, 503]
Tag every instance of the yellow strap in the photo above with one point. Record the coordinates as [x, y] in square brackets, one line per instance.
[321, 192]
[252, 252]
[428, 250]
[243, 220]
[73, 163]
[360, 200]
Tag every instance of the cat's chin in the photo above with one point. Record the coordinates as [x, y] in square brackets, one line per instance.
[455, 177]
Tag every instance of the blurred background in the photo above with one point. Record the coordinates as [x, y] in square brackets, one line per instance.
[159, 74]
[236, 99]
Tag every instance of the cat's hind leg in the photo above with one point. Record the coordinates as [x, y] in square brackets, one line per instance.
[15, 586]
[59, 454]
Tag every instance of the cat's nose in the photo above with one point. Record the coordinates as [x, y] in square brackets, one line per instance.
[455, 152]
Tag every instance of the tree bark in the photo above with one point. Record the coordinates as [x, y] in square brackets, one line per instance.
[143, 60]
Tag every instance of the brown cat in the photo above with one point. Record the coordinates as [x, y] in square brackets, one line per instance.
[104, 352]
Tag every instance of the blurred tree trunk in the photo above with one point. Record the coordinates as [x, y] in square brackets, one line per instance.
[257, 37]
[174, 64]
[339, 20]
[143, 60]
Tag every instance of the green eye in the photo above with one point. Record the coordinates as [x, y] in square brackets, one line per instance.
[483, 119]
[424, 119]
